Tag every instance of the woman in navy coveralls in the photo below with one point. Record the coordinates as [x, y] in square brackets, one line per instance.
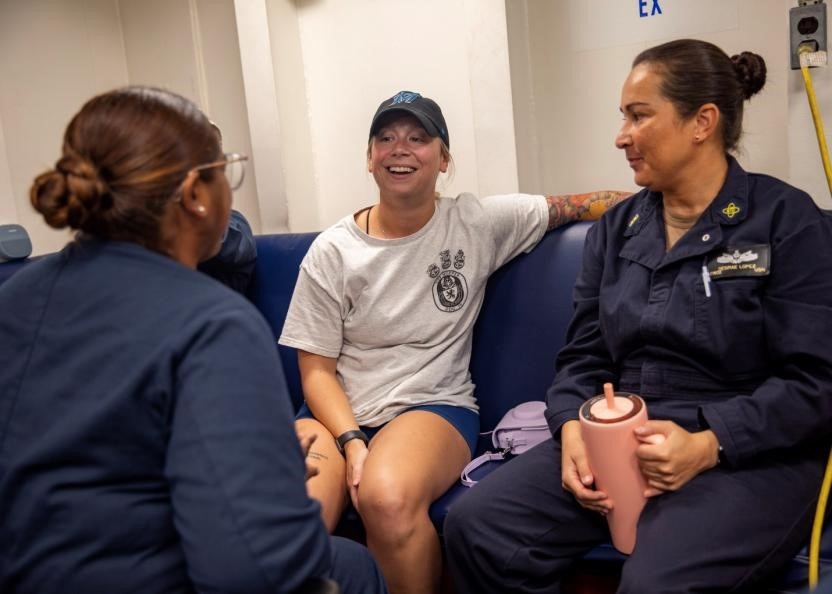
[146, 437]
[709, 293]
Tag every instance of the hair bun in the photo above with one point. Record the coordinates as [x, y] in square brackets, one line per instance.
[751, 72]
[48, 197]
[71, 194]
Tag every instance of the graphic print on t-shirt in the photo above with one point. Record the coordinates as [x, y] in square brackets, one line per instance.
[450, 289]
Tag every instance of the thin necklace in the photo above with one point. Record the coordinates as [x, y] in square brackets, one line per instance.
[378, 223]
[384, 234]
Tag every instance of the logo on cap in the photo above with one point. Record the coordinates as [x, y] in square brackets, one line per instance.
[405, 97]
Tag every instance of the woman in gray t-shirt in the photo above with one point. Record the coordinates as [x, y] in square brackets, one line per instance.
[382, 317]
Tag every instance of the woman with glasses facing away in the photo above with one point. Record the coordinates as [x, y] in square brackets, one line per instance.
[145, 445]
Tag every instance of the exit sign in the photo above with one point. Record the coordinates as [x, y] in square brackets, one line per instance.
[597, 24]
[654, 10]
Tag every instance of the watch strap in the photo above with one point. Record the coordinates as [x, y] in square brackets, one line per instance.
[341, 440]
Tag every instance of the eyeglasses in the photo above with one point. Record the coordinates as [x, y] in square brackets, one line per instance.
[233, 165]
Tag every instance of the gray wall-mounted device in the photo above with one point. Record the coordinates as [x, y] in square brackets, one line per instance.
[14, 243]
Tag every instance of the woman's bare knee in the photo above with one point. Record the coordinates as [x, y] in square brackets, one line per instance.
[388, 511]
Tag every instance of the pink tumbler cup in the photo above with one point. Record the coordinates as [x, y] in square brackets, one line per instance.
[611, 445]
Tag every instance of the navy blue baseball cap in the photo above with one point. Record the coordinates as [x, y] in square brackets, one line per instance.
[423, 109]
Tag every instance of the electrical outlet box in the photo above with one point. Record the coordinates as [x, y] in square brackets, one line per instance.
[807, 25]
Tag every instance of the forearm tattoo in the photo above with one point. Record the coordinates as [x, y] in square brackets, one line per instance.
[584, 207]
[317, 455]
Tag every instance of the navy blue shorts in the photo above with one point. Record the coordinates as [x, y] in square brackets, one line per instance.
[464, 420]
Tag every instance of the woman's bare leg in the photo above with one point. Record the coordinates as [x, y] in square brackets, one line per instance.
[329, 486]
[412, 461]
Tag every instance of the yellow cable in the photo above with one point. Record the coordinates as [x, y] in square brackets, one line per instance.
[816, 118]
[823, 497]
[817, 526]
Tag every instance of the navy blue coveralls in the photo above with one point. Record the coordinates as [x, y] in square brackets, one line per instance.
[730, 330]
[146, 435]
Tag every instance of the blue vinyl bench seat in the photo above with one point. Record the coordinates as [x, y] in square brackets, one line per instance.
[521, 327]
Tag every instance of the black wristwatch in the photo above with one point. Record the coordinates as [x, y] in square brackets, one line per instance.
[346, 436]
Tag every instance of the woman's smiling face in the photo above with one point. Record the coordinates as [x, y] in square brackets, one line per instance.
[655, 140]
[404, 159]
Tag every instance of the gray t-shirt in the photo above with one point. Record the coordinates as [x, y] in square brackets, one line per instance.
[398, 314]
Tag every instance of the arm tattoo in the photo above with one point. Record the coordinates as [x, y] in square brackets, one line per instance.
[317, 456]
[583, 207]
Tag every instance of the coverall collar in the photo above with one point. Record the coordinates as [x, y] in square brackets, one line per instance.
[646, 228]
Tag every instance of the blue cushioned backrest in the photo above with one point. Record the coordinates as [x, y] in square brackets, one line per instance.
[9, 268]
[522, 325]
[278, 261]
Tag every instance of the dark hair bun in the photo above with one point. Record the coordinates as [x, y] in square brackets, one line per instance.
[71, 195]
[751, 72]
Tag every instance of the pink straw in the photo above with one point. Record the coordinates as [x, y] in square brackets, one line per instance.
[609, 395]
